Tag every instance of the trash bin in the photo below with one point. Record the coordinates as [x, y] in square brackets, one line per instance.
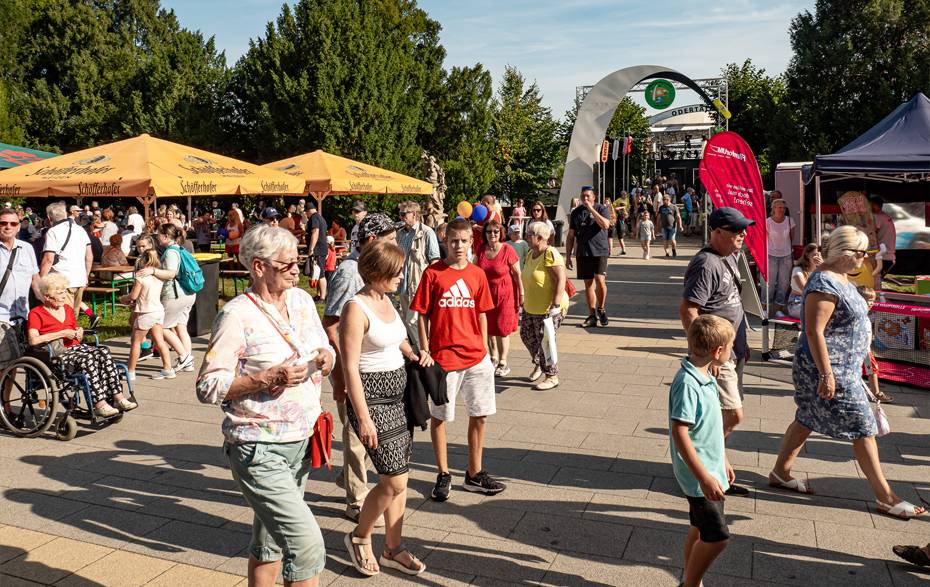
[207, 303]
[558, 224]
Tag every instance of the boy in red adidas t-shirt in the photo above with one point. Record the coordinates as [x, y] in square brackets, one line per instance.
[452, 299]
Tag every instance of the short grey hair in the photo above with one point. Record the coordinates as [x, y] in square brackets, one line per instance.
[53, 281]
[56, 211]
[264, 242]
[842, 242]
[538, 229]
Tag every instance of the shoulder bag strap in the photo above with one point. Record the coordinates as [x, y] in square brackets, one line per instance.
[9, 269]
[270, 319]
[736, 279]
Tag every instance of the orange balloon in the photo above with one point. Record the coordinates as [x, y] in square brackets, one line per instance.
[233, 235]
[464, 209]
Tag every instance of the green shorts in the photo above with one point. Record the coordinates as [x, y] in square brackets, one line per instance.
[272, 479]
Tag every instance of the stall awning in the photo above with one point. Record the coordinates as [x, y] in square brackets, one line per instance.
[13, 156]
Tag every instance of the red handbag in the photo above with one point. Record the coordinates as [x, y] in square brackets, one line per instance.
[321, 439]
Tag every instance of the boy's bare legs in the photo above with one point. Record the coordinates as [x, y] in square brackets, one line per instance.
[437, 433]
[699, 556]
[476, 428]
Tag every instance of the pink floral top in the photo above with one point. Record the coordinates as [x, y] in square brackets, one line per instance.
[245, 342]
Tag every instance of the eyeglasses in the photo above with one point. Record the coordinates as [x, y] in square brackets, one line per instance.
[5, 223]
[287, 266]
[405, 214]
[858, 252]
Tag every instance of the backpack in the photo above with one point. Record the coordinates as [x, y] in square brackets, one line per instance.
[189, 275]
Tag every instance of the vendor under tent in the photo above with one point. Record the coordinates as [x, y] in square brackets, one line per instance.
[325, 174]
[13, 156]
[145, 168]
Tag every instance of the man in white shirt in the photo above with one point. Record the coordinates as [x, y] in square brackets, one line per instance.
[67, 251]
[135, 220]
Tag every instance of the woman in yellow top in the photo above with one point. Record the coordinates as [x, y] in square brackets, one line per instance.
[543, 279]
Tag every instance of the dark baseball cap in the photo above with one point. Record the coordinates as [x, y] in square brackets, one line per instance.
[878, 200]
[359, 207]
[727, 216]
[376, 224]
[310, 205]
[270, 212]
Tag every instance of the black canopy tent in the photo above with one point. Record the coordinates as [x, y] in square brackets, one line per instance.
[894, 151]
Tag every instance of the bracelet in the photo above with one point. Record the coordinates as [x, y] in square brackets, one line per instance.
[826, 375]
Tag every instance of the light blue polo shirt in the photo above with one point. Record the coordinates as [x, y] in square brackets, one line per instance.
[14, 301]
[693, 399]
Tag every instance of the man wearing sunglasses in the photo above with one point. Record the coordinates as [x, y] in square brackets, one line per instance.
[712, 287]
[588, 226]
[19, 272]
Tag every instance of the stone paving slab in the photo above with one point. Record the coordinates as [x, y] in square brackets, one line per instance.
[591, 499]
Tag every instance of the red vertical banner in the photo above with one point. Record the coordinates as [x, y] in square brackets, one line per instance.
[731, 176]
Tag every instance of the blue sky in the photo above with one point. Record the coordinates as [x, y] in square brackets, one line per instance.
[561, 44]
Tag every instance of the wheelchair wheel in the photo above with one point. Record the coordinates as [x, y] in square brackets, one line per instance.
[30, 408]
[66, 429]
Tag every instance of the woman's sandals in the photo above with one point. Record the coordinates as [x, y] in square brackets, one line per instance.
[357, 553]
[903, 510]
[791, 485]
[390, 561]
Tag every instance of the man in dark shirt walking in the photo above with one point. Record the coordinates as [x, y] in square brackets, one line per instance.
[587, 227]
[316, 245]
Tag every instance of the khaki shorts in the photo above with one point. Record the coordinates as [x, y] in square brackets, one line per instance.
[730, 384]
[73, 297]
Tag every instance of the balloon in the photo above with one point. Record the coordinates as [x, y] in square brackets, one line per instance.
[464, 209]
[462, 217]
[222, 233]
[479, 213]
[233, 235]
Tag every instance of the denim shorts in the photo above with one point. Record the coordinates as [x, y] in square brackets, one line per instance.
[272, 478]
[668, 234]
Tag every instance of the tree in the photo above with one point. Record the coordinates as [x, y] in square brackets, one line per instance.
[754, 100]
[854, 62]
[524, 135]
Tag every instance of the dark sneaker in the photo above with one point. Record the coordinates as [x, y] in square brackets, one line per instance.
[623, 252]
[443, 486]
[674, 252]
[146, 354]
[589, 321]
[94, 319]
[736, 491]
[602, 316]
[483, 483]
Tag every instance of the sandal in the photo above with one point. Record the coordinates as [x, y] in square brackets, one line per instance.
[495, 361]
[548, 383]
[913, 555]
[388, 560]
[354, 543]
[904, 509]
[502, 369]
[885, 398]
[536, 374]
[791, 485]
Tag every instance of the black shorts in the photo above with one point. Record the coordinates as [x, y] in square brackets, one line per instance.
[588, 267]
[321, 261]
[707, 516]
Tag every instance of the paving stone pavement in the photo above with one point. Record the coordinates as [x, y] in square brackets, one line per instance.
[591, 498]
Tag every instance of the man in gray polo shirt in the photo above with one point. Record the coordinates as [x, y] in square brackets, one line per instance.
[712, 287]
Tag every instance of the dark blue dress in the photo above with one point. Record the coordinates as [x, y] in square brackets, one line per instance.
[848, 336]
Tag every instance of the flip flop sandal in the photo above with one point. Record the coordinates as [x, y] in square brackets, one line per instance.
[904, 510]
[389, 562]
[792, 485]
[913, 555]
[351, 541]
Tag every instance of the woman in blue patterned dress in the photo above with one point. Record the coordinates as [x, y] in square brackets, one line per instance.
[827, 372]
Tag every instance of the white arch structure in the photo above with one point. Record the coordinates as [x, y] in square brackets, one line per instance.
[592, 120]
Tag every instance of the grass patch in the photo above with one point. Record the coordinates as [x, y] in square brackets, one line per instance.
[907, 288]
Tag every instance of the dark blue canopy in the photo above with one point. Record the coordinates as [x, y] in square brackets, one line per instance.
[895, 149]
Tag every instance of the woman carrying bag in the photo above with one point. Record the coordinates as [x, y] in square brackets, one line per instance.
[544, 286]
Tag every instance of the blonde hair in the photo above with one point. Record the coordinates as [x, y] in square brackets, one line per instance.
[53, 281]
[380, 260]
[842, 242]
[148, 259]
[537, 228]
[707, 333]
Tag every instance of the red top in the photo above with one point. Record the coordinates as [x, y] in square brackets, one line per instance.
[330, 264]
[502, 320]
[40, 319]
[453, 300]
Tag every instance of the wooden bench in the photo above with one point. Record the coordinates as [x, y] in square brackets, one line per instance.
[105, 292]
[236, 275]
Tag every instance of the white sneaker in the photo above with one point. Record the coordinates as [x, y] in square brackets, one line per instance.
[648, 257]
[169, 374]
[132, 375]
[185, 362]
[779, 314]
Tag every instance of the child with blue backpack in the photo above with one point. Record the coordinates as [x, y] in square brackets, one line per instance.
[183, 279]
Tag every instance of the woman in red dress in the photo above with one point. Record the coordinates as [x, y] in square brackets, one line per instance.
[502, 266]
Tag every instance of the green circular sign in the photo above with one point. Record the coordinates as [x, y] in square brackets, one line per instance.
[660, 94]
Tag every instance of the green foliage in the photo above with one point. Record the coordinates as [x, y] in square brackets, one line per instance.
[854, 62]
[754, 100]
[524, 135]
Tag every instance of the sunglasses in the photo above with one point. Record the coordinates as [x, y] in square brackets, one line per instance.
[537, 209]
[732, 229]
[287, 266]
[858, 252]
[5, 223]
[586, 188]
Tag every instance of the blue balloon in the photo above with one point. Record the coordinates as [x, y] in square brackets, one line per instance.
[222, 233]
[479, 213]
[462, 217]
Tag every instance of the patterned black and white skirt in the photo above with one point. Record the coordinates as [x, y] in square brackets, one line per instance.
[384, 393]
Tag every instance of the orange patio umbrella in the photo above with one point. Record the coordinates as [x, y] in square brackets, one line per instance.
[144, 167]
[326, 174]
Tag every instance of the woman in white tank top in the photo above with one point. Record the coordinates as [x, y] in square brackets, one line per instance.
[373, 344]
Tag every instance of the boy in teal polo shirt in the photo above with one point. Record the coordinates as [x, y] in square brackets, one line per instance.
[696, 434]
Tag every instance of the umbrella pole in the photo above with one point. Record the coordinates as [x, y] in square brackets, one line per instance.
[818, 229]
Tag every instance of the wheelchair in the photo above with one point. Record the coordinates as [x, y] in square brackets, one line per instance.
[39, 382]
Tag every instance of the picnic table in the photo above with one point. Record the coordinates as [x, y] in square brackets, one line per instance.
[109, 285]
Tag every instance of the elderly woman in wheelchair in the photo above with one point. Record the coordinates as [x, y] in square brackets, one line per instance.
[53, 323]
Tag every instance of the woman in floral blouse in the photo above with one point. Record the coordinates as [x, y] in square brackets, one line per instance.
[265, 366]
